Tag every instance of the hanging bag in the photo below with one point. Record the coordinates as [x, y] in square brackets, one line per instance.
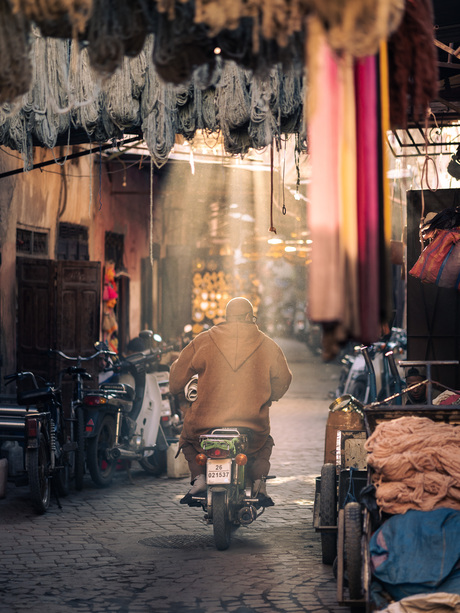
[439, 262]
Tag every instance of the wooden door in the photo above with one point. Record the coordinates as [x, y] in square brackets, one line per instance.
[58, 308]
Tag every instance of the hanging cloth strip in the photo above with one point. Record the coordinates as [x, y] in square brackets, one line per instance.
[385, 203]
[367, 197]
[326, 278]
[348, 198]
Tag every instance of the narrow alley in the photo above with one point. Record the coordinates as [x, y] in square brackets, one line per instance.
[133, 548]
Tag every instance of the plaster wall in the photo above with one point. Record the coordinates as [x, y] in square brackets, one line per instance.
[74, 193]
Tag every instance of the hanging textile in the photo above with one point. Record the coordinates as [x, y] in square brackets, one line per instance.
[367, 197]
[326, 275]
[413, 64]
[386, 315]
[348, 198]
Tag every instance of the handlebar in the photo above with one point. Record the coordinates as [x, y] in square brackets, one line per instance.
[80, 358]
[19, 376]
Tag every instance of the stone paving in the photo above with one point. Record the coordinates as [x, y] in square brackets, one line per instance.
[133, 548]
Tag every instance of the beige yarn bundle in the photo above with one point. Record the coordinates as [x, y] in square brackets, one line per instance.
[416, 464]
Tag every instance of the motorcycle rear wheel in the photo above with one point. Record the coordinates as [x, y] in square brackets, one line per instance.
[38, 467]
[100, 467]
[221, 521]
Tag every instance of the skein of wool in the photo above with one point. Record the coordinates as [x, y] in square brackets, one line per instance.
[59, 18]
[413, 71]
[15, 67]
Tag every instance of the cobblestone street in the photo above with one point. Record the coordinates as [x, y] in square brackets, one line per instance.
[133, 548]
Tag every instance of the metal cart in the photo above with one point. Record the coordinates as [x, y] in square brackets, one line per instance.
[354, 526]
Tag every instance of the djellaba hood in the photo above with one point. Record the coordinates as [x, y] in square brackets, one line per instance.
[236, 341]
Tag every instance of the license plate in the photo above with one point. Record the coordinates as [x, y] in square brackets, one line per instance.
[219, 471]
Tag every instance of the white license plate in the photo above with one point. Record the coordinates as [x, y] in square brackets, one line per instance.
[219, 471]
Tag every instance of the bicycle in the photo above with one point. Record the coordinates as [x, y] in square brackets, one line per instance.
[77, 413]
[46, 441]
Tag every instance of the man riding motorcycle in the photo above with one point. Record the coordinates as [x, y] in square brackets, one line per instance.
[241, 371]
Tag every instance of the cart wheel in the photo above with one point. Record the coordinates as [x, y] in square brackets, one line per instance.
[352, 549]
[328, 512]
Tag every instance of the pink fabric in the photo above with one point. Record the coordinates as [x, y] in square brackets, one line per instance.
[368, 196]
[323, 210]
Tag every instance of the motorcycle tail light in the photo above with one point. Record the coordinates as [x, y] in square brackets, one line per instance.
[218, 453]
[32, 428]
[165, 418]
[201, 459]
[94, 401]
[241, 459]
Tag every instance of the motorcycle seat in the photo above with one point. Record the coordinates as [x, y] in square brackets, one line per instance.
[123, 391]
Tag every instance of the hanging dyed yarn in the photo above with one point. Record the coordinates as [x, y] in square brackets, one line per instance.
[358, 26]
[15, 67]
[60, 18]
[412, 64]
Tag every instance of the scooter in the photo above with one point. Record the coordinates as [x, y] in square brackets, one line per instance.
[123, 418]
[229, 501]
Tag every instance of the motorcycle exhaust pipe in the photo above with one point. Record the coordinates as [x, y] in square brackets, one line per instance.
[247, 515]
[116, 454]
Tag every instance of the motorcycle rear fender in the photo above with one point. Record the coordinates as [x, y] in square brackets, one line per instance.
[210, 490]
[97, 415]
[34, 441]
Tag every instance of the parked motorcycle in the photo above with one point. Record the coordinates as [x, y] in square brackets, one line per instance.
[123, 418]
[229, 501]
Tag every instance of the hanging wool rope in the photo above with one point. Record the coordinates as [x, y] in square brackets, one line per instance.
[272, 227]
[273, 19]
[151, 216]
[122, 92]
[233, 106]
[116, 28]
[85, 91]
[15, 67]
[412, 64]
[248, 111]
[50, 84]
[358, 26]
[61, 18]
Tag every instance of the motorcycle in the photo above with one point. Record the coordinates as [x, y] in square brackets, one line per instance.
[229, 501]
[124, 417]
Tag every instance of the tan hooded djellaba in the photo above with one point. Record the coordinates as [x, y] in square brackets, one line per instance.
[241, 371]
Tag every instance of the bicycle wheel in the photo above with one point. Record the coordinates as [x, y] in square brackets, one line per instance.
[352, 549]
[79, 434]
[100, 467]
[328, 512]
[38, 471]
[220, 521]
